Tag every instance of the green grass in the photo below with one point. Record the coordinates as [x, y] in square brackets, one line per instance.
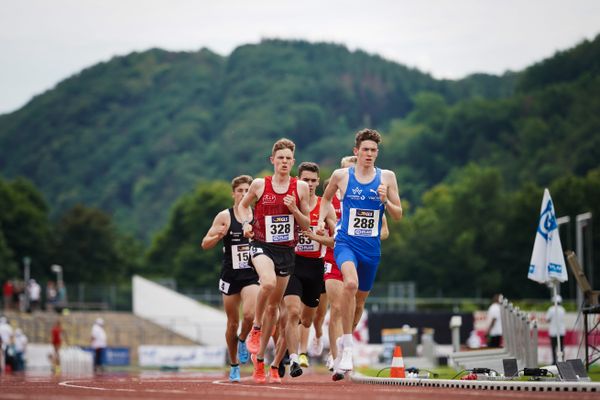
[442, 372]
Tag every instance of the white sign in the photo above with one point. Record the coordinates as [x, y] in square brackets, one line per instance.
[181, 356]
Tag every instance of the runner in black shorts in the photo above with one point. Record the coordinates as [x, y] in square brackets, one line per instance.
[238, 281]
[304, 286]
[281, 209]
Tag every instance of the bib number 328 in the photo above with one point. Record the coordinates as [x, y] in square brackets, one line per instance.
[279, 228]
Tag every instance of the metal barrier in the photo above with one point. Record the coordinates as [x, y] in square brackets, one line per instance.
[519, 335]
[515, 386]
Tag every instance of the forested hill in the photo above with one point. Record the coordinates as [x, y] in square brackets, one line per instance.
[132, 134]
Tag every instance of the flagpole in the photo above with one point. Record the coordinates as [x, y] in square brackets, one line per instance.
[559, 354]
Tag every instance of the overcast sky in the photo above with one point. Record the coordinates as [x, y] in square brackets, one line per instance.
[45, 41]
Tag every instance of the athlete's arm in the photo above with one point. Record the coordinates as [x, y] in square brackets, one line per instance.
[328, 194]
[244, 209]
[302, 210]
[330, 220]
[385, 230]
[217, 231]
[388, 194]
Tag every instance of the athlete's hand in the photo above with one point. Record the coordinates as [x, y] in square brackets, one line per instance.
[290, 202]
[320, 228]
[221, 231]
[248, 232]
[382, 192]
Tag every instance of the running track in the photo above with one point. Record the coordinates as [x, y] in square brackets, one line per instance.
[209, 386]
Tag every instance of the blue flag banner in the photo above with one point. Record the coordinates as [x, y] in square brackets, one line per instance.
[547, 260]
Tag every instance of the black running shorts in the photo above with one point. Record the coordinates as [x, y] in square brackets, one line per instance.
[307, 280]
[282, 256]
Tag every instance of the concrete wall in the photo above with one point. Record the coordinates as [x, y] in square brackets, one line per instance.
[181, 314]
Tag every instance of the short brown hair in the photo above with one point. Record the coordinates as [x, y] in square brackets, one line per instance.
[348, 160]
[308, 166]
[283, 144]
[240, 180]
[366, 134]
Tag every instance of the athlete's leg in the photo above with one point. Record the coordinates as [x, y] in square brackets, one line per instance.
[269, 318]
[335, 295]
[249, 295]
[231, 304]
[349, 292]
[316, 347]
[266, 274]
[292, 307]
[361, 298]
[303, 334]
[280, 344]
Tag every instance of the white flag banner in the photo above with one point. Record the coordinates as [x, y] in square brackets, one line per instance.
[547, 261]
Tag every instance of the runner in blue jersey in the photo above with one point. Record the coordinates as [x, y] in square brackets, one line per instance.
[366, 192]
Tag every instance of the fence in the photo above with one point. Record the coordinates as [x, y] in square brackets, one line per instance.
[519, 335]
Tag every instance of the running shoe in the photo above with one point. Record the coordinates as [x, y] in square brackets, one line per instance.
[274, 375]
[295, 370]
[303, 360]
[329, 362]
[234, 374]
[242, 352]
[281, 369]
[253, 340]
[346, 363]
[316, 347]
[337, 376]
[258, 374]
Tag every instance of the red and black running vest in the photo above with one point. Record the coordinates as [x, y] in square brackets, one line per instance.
[273, 221]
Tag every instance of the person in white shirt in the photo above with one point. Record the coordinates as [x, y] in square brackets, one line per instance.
[6, 332]
[34, 290]
[20, 342]
[98, 343]
[494, 319]
[556, 326]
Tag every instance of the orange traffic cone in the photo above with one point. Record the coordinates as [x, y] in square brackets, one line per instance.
[397, 369]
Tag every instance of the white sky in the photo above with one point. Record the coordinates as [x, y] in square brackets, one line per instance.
[44, 41]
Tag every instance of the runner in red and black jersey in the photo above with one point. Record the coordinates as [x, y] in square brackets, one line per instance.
[280, 212]
[303, 291]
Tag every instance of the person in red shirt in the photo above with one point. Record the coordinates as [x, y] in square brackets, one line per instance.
[7, 293]
[281, 208]
[58, 336]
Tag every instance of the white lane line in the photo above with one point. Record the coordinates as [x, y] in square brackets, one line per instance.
[71, 385]
[238, 384]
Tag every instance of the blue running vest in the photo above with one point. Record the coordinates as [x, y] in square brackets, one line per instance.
[362, 211]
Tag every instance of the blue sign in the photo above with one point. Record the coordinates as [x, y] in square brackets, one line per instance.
[114, 356]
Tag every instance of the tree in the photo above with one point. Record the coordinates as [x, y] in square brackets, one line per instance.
[87, 247]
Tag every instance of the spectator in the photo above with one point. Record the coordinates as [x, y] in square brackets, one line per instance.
[20, 341]
[19, 298]
[556, 326]
[494, 319]
[61, 296]
[34, 291]
[51, 296]
[98, 342]
[8, 290]
[6, 332]
[58, 337]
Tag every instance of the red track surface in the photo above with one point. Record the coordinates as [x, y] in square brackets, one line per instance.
[206, 386]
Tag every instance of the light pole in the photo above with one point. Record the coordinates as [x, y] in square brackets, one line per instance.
[58, 270]
[583, 221]
[26, 276]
